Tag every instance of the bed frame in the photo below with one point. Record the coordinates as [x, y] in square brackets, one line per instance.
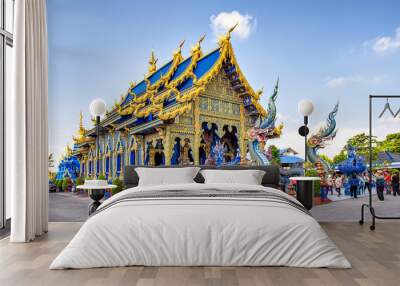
[270, 179]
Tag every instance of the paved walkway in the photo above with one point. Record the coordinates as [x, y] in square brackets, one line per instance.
[69, 207]
[350, 209]
[72, 208]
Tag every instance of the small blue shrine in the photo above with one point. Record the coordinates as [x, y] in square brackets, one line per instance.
[354, 164]
[69, 166]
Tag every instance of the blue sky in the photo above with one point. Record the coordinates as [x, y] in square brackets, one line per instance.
[321, 50]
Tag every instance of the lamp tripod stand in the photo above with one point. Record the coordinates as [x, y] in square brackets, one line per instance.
[370, 205]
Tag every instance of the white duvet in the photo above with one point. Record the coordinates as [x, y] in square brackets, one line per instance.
[200, 231]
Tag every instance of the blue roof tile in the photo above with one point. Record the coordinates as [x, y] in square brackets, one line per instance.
[202, 67]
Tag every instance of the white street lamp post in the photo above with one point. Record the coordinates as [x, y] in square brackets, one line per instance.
[305, 108]
[97, 109]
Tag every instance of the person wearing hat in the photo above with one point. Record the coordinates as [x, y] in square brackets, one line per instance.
[380, 185]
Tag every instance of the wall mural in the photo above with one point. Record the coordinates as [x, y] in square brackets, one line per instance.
[195, 111]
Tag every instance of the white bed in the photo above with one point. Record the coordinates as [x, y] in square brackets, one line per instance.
[207, 230]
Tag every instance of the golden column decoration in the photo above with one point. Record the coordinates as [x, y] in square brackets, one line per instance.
[243, 136]
[142, 141]
[136, 148]
[197, 130]
[167, 146]
[84, 174]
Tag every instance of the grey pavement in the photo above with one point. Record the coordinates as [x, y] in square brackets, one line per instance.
[350, 209]
[68, 207]
[71, 207]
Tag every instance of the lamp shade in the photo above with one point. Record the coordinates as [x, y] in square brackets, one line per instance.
[305, 107]
[97, 107]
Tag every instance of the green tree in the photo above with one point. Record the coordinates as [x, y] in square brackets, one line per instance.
[79, 181]
[275, 154]
[361, 143]
[390, 144]
[119, 184]
[65, 184]
[339, 157]
[326, 159]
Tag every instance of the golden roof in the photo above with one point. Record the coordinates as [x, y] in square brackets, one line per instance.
[151, 101]
[80, 137]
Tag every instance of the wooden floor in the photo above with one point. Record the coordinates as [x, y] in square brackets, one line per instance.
[375, 257]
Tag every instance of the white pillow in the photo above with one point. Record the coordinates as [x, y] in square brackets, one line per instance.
[248, 177]
[166, 176]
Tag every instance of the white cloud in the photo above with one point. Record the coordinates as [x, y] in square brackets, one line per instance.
[341, 81]
[386, 44]
[223, 21]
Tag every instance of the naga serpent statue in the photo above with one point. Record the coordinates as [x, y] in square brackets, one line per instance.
[263, 130]
[318, 140]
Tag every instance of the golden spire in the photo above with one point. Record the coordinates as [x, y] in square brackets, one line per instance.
[227, 36]
[197, 47]
[132, 84]
[68, 151]
[179, 49]
[81, 121]
[80, 137]
[259, 93]
[152, 62]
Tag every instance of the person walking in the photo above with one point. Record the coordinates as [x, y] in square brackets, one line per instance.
[354, 183]
[329, 182]
[388, 182]
[380, 185]
[395, 184]
[367, 184]
[361, 185]
[338, 184]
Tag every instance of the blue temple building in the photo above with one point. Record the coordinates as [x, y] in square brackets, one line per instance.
[194, 110]
[69, 166]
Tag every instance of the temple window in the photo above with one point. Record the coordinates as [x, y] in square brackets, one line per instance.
[182, 153]
[230, 143]
[120, 158]
[209, 138]
[132, 157]
[132, 152]
[107, 162]
[159, 157]
[150, 152]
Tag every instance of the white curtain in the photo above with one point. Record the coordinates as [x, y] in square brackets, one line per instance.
[27, 123]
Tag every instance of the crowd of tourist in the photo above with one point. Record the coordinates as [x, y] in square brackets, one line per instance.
[384, 181]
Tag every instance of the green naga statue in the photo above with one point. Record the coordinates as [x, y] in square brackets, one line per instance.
[318, 140]
[263, 130]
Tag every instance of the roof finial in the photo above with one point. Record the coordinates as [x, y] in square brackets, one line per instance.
[152, 62]
[232, 28]
[225, 39]
[181, 44]
[132, 84]
[197, 47]
[201, 39]
[81, 120]
[68, 151]
[179, 49]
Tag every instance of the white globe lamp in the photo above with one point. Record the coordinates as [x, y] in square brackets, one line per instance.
[305, 107]
[98, 107]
